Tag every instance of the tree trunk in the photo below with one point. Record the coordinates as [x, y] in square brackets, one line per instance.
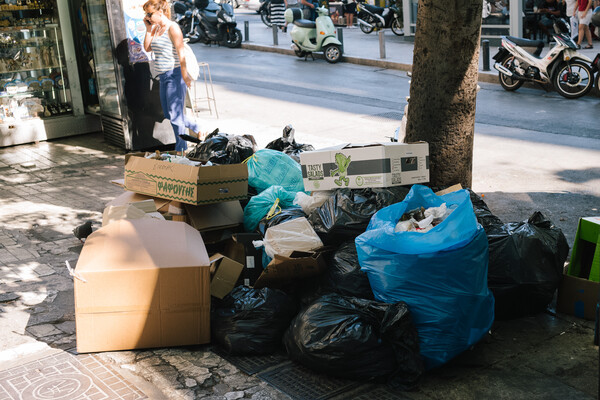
[443, 87]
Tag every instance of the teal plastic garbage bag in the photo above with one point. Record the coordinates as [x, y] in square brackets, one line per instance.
[258, 206]
[267, 168]
[441, 274]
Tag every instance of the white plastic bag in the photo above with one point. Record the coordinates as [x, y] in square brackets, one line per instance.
[309, 202]
[296, 234]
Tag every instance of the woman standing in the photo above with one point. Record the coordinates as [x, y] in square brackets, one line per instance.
[165, 39]
[277, 8]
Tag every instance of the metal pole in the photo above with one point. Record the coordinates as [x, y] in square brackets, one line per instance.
[275, 38]
[246, 31]
[340, 36]
[486, 54]
[381, 45]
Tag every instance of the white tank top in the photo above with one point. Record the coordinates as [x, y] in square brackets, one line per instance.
[165, 54]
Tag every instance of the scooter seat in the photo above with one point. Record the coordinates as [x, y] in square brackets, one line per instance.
[372, 8]
[538, 44]
[305, 23]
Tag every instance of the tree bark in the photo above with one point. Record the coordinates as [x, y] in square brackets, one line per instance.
[443, 87]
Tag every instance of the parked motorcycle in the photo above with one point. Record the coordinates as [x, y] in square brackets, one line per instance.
[372, 18]
[519, 60]
[265, 12]
[208, 22]
[305, 40]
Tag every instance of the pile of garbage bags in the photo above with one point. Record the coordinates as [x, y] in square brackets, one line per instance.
[411, 279]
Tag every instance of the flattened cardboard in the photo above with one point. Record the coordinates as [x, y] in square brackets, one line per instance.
[210, 217]
[356, 166]
[225, 273]
[144, 283]
[185, 183]
[132, 197]
[284, 270]
[578, 297]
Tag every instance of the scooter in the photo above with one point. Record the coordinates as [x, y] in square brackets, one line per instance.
[210, 22]
[372, 18]
[313, 36]
[519, 61]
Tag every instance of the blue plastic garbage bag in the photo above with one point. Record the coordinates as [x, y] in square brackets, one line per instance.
[440, 274]
[271, 167]
[260, 205]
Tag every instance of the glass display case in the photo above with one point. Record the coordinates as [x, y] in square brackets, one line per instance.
[33, 77]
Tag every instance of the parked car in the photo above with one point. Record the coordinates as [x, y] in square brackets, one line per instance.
[253, 5]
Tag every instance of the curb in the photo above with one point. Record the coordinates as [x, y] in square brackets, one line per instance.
[486, 77]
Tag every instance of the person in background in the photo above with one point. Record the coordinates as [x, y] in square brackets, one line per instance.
[584, 16]
[549, 9]
[164, 38]
[309, 7]
[349, 8]
[571, 11]
[277, 8]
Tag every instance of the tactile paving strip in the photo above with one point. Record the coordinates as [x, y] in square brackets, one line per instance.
[252, 364]
[66, 377]
[302, 384]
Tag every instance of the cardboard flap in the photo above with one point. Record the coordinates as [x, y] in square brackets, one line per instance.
[225, 274]
[215, 216]
[142, 244]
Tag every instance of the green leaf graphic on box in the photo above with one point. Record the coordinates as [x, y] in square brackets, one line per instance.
[342, 163]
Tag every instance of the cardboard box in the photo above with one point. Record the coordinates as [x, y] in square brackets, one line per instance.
[282, 270]
[579, 290]
[141, 284]
[185, 183]
[578, 297]
[212, 217]
[225, 273]
[358, 166]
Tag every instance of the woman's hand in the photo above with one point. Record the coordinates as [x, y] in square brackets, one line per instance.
[187, 79]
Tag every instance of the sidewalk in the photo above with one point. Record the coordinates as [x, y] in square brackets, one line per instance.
[364, 49]
[48, 188]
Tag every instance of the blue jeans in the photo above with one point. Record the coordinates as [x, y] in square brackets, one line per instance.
[172, 100]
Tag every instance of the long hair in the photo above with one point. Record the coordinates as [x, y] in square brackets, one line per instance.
[158, 5]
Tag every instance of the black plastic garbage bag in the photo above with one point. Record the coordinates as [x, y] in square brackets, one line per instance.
[344, 274]
[288, 145]
[526, 265]
[346, 214]
[252, 322]
[286, 214]
[223, 148]
[482, 213]
[355, 338]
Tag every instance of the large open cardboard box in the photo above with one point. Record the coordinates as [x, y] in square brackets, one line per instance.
[579, 289]
[185, 183]
[140, 284]
[358, 166]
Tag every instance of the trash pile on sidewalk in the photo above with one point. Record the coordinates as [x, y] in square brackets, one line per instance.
[342, 257]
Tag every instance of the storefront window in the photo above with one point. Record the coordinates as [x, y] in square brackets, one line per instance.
[33, 74]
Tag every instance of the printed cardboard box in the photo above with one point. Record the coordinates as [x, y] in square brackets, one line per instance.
[140, 284]
[357, 166]
[185, 183]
